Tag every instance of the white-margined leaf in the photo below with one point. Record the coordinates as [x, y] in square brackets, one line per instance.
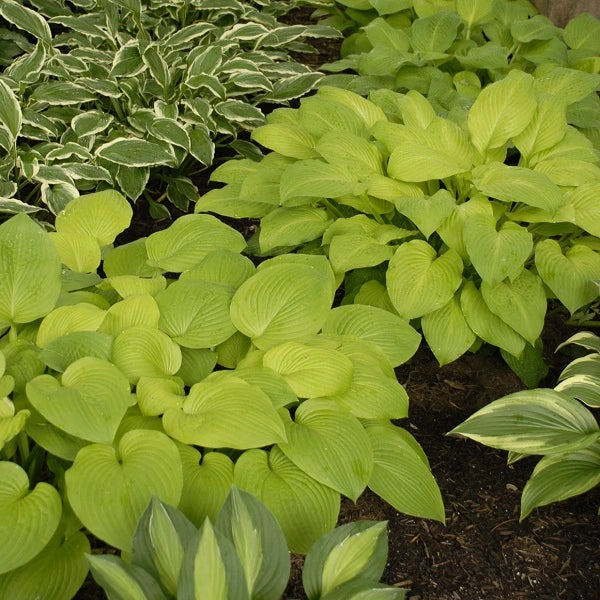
[133, 152]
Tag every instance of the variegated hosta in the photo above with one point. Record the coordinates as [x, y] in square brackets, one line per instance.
[240, 554]
[553, 423]
[135, 95]
[466, 222]
[109, 383]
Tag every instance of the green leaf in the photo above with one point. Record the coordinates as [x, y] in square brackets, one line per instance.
[196, 364]
[68, 319]
[133, 152]
[401, 474]
[62, 93]
[102, 215]
[540, 421]
[419, 281]
[29, 271]
[538, 27]
[434, 33]
[584, 200]
[556, 478]
[488, 326]
[496, 254]
[583, 31]
[530, 366]
[392, 334]
[350, 251]
[10, 111]
[447, 333]
[132, 285]
[156, 394]
[109, 489]
[501, 111]
[571, 275]
[475, 12]
[292, 226]
[133, 311]
[382, 35]
[63, 351]
[27, 19]
[281, 303]
[225, 414]
[89, 403]
[133, 180]
[570, 85]
[188, 240]
[304, 508]
[27, 516]
[330, 445]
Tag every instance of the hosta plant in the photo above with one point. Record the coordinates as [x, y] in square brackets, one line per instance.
[178, 371]
[135, 94]
[554, 423]
[462, 228]
[242, 555]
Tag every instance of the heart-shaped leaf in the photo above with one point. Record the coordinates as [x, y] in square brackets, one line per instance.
[109, 489]
[89, 404]
[156, 394]
[28, 517]
[222, 266]
[63, 351]
[429, 212]
[80, 252]
[68, 319]
[132, 311]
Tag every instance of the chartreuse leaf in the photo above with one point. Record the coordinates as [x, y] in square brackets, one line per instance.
[129, 259]
[233, 350]
[310, 371]
[211, 568]
[289, 139]
[502, 110]
[259, 543]
[488, 326]
[132, 311]
[142, 350]
[392, 334]
[447, 333]
[583, 31]
[559, 477]
[352, 551]
[57, 572]
[292, 226]
[102, 215]
[281, 303]
[28, 518]
[427, 213]
[434, 33]
[401, 473]
[109, 489]
[496, 254]
[69, 319]
[361, 155]
[304, 508]
[474, 12]
[584, 200]
[571, 275]
[225, 414]
[222, 266]
[196, 364]
[206, 482]
[78, 251]
[570, 85]
[188, 240]
[367, 111]
[161, 536]
[329, 444]
[419, 282]
[520, 303]
[540, 421]
[88, 403]
[156, 394]
[195, 313]
[132, 285]
[29, 271]
[11, 424]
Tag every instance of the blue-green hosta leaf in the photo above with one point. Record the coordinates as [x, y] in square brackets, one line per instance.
[419, 281]
[292, 226]
[102, 215]
[191, 237]
[392, 334]
[401, 473]
[304, 508]
[571, 275]
[329, 444]
[429, 212]
[583, 31]
[354, 551]
[520, 303]
[29, 271]
[132, 285]
[222, 266]
[69, 319]
[206, 482]
[145, 351]
[447, 333]
[496, 254]
[310, 371]
[63, 351]
[28, 518]
[10, 111]
[281, 303]
[540, 421]
[571, 85]
[88, 403]
[259, 542]
[556, 478]
[109, 489]
[78, 251]
[156, 394]
[132, 311]
[584, 200]
[502, 110]
[488, 326]
[225, 414]
[517, 184]
[195, 313]
[133, 152]
[288, 139]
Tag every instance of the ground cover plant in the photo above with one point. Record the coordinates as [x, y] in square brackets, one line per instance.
[553, 423]
[243, 555]
[111, 396]
[462, 228]
[136, 95]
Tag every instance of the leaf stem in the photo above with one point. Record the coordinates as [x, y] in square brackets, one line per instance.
[332, 208]
[582, 323]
